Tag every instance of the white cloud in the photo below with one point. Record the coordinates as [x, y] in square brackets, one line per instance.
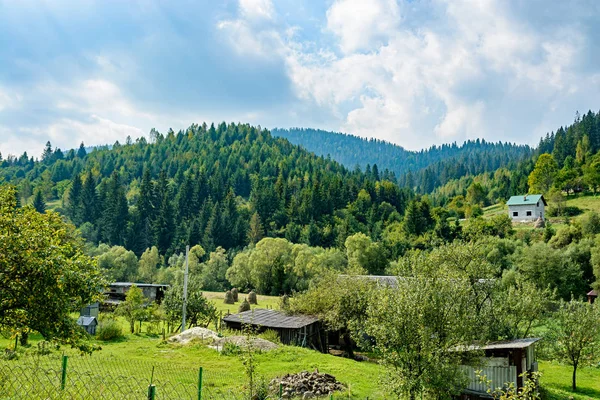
[256, 9]
[359, 23]
[454, 71]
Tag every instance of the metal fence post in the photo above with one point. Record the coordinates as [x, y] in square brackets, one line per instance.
[280, 390]
[151, 392]
[63, 378]
[200, 384]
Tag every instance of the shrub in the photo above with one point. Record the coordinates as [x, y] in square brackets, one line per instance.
[245, 306]
[271, 336]
[230, 349]
[235, 293]
[228, 298]
[109, 330]
[252, 297]
[284, 302]
[567, 211]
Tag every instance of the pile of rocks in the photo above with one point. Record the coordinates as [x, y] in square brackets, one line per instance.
[306, 384]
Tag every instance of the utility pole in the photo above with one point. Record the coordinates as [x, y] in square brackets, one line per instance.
[185, 284]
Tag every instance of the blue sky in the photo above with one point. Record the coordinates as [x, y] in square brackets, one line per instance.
[415, 72]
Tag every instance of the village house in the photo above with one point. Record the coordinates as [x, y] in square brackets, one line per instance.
[525, 208]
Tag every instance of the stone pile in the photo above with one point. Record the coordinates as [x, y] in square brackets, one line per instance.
[306, 385]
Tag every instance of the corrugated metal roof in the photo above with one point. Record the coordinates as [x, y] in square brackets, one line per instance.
[271, 319]
[128, 284]
[528, 199]
[503, 344]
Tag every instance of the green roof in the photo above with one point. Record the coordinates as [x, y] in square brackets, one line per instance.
[529, 199]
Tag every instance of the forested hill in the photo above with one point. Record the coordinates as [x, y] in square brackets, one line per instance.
[571, 164]
[216, 186]
[422, 170]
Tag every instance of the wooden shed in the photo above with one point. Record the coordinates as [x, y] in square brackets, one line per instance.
[117, 291]
[503, 362]
[297, 330]
[88, 323]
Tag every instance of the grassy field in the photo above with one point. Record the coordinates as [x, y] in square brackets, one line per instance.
[556, 381]
[136, 354]
[263, 302]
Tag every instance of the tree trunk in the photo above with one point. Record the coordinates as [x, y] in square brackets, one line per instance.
[132, 326]
[348, 345]
[575, 377]
[24, 338]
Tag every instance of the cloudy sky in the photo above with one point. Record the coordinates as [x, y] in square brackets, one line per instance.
[414, 72]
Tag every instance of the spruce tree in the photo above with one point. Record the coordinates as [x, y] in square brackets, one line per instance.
[89, 199]
[75, 208]
[38, 202]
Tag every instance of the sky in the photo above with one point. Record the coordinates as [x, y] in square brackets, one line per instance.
[416, 73]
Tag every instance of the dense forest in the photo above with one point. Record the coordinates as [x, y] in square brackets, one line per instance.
[262, 213]
[422, 171]
[224, 186]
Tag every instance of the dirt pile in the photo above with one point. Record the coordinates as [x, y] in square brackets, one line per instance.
[242, 341]
[198, 333]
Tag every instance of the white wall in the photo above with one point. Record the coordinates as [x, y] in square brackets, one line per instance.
[522, 210]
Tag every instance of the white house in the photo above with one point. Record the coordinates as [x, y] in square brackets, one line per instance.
[529, 207]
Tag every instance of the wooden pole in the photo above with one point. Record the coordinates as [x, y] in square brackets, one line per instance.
[185, 287]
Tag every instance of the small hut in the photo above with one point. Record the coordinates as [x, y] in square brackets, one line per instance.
[88, 323]
[592, 296]
[299, 330]
[505, 362]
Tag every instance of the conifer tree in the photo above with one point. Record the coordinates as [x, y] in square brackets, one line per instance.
[75, 200]
[38, 202]
[89, 199]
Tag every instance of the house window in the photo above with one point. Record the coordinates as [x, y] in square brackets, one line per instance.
[515, 213]
[529, 213]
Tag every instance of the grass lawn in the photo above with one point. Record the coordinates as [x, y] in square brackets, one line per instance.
[556, 380]
[133, 357]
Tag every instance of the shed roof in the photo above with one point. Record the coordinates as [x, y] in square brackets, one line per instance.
[85, 320]
[271, 319]
[527, 199]
[140, 285]
[593, 293]
[503, 344]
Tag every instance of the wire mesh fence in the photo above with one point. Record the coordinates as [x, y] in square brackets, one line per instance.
[54, 377]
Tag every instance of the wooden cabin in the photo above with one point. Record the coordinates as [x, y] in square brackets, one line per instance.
[297, 330]
[117, 291]
[503, 362]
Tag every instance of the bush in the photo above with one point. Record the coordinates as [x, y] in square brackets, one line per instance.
[235, 293]
[245, 306]
[271, 336]
[231, 349]
[228, 298]
[109, 330]
[252, 298]
[284, 302]
[567, 211]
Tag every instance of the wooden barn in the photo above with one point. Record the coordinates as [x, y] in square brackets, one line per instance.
[298, 330]
[117, 291]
